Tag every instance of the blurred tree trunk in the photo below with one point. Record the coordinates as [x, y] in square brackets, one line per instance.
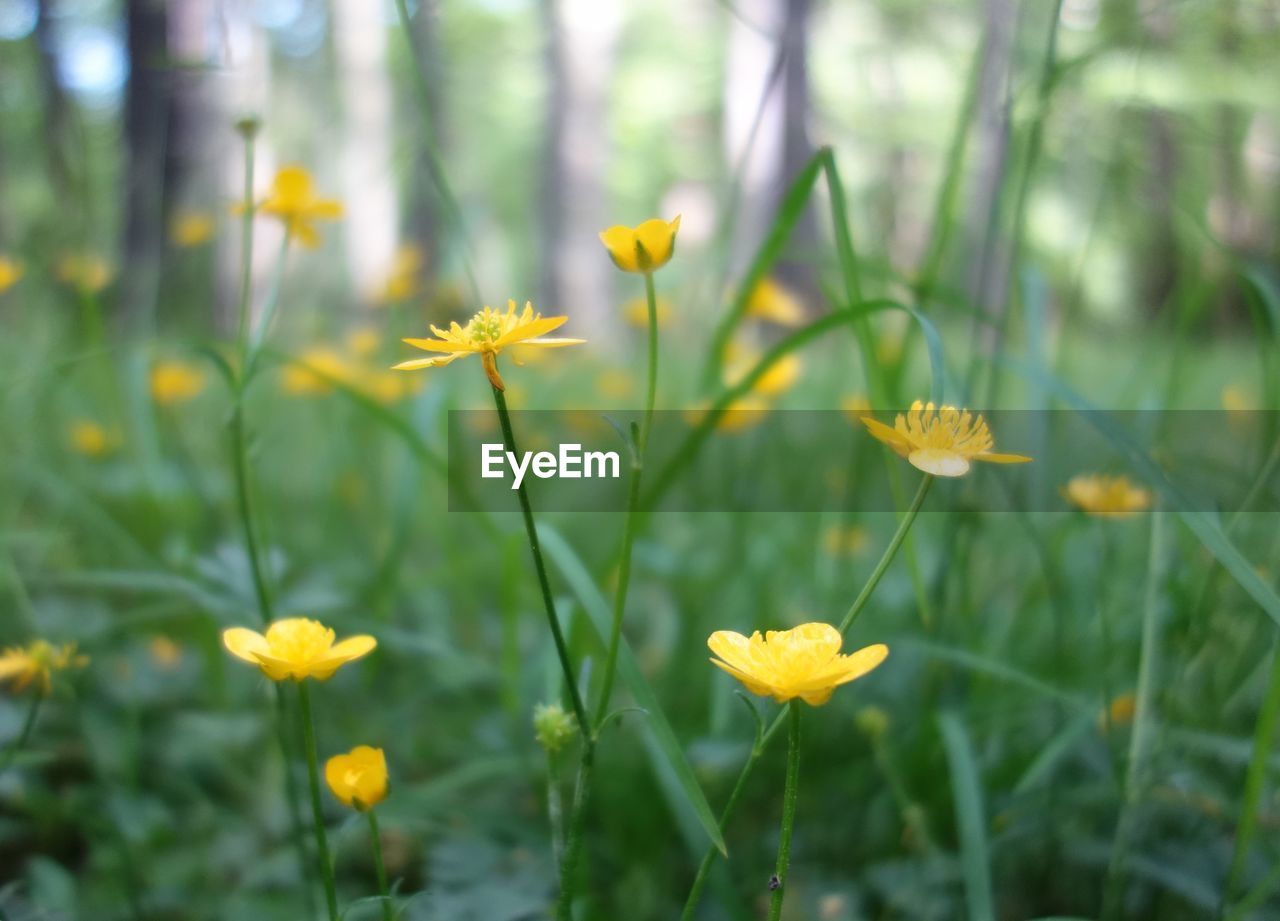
[422, 216]
[57, 114]
[551, 212]
[146, 125]
[797, 148]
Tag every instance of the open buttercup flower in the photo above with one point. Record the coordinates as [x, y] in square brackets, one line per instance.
[294, 201]
[940, 441]
[36, 664]
[803, 662]
[642, 249]
[296, 648]
[1107, 496]
[359, 778]
[487, 334]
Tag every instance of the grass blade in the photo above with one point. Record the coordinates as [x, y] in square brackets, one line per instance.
[966, 786]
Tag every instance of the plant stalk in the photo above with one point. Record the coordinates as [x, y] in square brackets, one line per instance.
[317, 809]
[789, 795]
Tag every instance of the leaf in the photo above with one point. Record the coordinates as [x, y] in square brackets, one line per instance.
[966, 787]
[661, 734]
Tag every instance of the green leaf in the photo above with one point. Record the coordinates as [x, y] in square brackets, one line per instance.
[661, 733]
[971, 817]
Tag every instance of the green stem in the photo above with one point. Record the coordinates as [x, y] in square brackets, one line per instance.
[577, 823]
[555, 808]
[855, 609]
[269, 307]
[789, 796]
[246, 249]
[20, 742]
[244, 504]
[548, 603]
[1140, 742]
[317, 810]
[388, 912]
[633, 505]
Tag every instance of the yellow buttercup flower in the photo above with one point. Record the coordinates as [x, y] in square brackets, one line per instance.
[636, 312]
[803, 662]
[359, 778]
[487, 334]
[941, 441]
[315, 372]
[1120, 711]
[190, 229]
[85, 272]
[294, 201]
[23, 666]
[90, 439]
[174, 382]
[642, 249]
[780, 377]
[1107, 496]
[773, 301]
[296, 648]
[10, 273]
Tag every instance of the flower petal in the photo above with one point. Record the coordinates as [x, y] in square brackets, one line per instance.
[890, 436]
[733, 647]
[439, 345]
[549, 343]
[992, 458]
[244, 643]
[939, 462]
[530, 330]
[438, 362]
[621, 243]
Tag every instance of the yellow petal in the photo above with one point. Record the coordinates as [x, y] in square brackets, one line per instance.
[750, 683]
[530, 330]
[440, 345]
[1003, 458]
[621, 243]
[550, 343]
[857, 664]
[733, 647]
[438, 362]
[658, 239]
[890, 436]
[244, 643]
[278, 669]
[939, 462]
[326, 209]
[348, 650]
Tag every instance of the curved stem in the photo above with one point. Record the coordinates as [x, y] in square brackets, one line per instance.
[21, 741]
[886, 558]
[317, 810]
[789, 796]
[388, 912]
[548, 603]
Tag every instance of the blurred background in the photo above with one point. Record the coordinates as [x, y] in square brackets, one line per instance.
[1054, 201]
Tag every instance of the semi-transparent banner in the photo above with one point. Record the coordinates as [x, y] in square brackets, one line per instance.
[819, 460]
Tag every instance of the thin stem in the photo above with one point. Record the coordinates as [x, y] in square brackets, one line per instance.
[548, 603]
[577, 821]
[21, 741]
[384, 890]
[269, 308]
[244, 504]
[555, 808]
[246, 248]
[1140, 742]
[631, 522]
[855, 609]
[317, 810]
[789, 796]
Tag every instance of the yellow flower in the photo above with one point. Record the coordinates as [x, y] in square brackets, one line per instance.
[90, 439]
[296, 648]
[315, 372]
[358, 778]
[778, 379]
[403, 281]
[37, 663]
[636, 312]
[1107, 496]
[10, 273]
[192, 228]
[803, 662]
[488, 333]
[642, 249]
[85, 272]
[773, 301]
[743, 413]
[293, 200]
[940, 441]
[175, 382]
[1119, 712]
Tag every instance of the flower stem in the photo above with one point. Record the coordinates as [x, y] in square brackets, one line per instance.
[317, 810]
[695, 893]
[577, 821]
[388, 912]
[21, 741]
[789, 795]
[246, 249]
[562, 650]
[633, 503]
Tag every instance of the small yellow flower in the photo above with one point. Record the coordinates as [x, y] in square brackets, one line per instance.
[803, 662]
[780, 377]
[315, 372]
[487, 334]
[359, 778]
[10, 273]
[1120, 711]
[1107, 496]
[771, 300]
[85, 272]
[942, 441]
[404, 279]
[37, 663]
[294, 201]
[296, 648]
[190, 229]
[174, 382]
[636, 312]
[553, 727]
[642, 249]
[165, 653]
[90, 439]
[872, 720]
